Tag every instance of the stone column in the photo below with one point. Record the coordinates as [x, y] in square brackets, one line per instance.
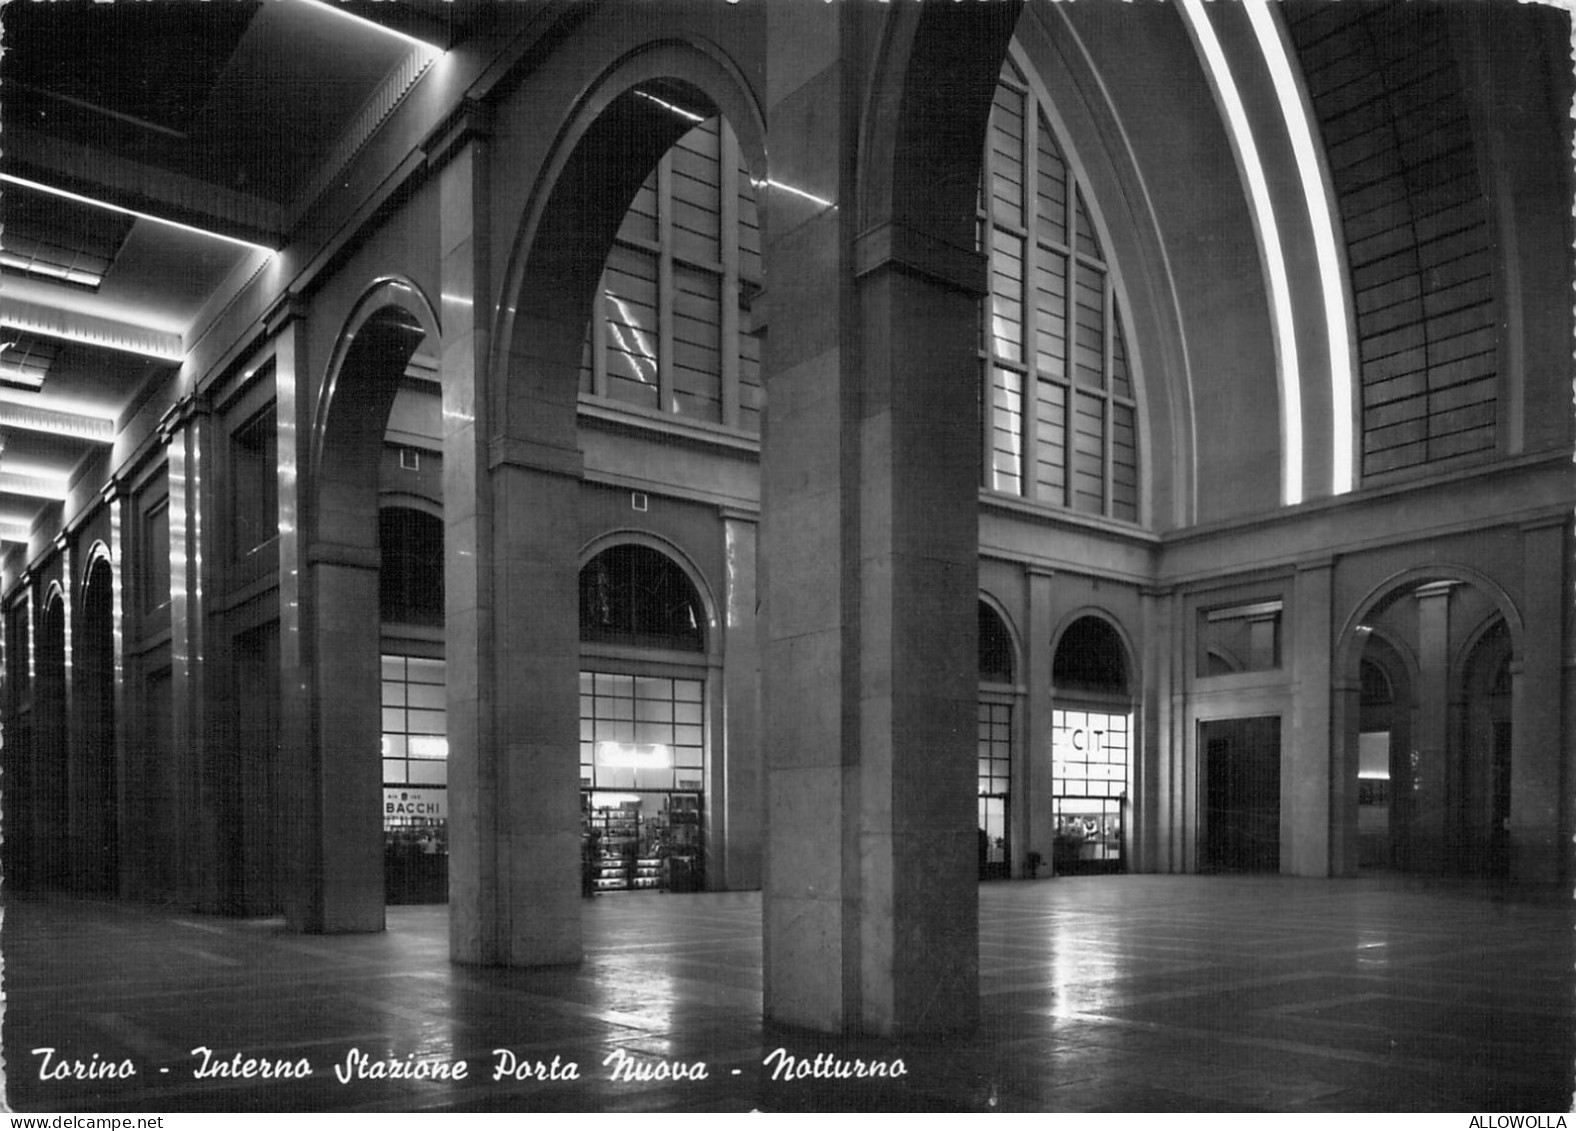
[185, 772]
[511, 521]
[1039, 785]
[869, 545]
[1430, 746]
[1313, 778]
[1151, 758]
[739, 830]
[118, 504]
[330, 771]
[1538, 778]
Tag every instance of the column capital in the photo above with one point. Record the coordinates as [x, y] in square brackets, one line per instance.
[738, 514]
[471, 121]
[182, 412]
[1434, 589]
[896, 246]
[531, 455]
[288, 307]
[340, 554]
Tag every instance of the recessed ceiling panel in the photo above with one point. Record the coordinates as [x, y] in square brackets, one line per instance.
[59, 239]
[129, 77]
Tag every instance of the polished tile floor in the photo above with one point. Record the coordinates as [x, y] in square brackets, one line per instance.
[1123, 993]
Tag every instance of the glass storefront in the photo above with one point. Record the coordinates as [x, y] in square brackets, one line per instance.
[994, 768]
[1090, 752]
[642, 757]
[415, 780]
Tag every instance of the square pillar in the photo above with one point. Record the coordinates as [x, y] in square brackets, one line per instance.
[1308, 781]
[511, 539]
[1538, 777]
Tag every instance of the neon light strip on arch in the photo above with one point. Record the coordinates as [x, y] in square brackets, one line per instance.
[1320, 209]
[1269, 243]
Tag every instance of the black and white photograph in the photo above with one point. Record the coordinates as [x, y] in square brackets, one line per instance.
[726, 556]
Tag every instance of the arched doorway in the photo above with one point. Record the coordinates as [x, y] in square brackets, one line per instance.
[52, 764]
[414, 697]
[96, 856]
[384, 359]
[1092, 746]
[643, 723]
[1432, 747]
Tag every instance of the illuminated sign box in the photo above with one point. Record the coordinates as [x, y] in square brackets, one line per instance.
[409, 803]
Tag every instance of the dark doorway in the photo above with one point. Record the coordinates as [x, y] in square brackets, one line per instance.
[1499, 831]
[1241, 794]
[98, 862]
[252, 850]
[53, 775]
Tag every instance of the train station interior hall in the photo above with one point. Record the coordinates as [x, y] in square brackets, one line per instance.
[1026, 542]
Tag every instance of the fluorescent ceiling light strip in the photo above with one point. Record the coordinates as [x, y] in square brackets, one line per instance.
[796, 191]
[1320, 210]
[342, 13]
[687, 115]
[107, 206]
[50, 270]
[1269, 242]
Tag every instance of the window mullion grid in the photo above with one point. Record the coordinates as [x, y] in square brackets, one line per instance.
[601, 314]
[665, 400]
[1029, 416]
[1108, 440]
[1070, 349]
[728, 344]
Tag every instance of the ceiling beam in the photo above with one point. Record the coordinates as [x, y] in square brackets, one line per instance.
[76, 425]
[32, 486]
[90, 329]
[136, 187]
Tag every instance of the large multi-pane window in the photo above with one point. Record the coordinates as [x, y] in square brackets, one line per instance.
[415, 722]
[1058, 406]
[640, 732]
[675, 292]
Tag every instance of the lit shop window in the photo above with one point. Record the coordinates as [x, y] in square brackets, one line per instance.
[1089, 752]
[415, 723]
[1058, 405]
[640, 732]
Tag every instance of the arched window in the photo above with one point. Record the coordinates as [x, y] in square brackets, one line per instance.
[1058, 405]
[995, 646]
[676, 290]
[635, 595]
[410, 582]
[1090, 659]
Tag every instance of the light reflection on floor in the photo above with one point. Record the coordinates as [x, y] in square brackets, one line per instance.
[1119, 993]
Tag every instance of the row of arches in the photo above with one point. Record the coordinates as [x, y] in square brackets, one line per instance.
[63, 819]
